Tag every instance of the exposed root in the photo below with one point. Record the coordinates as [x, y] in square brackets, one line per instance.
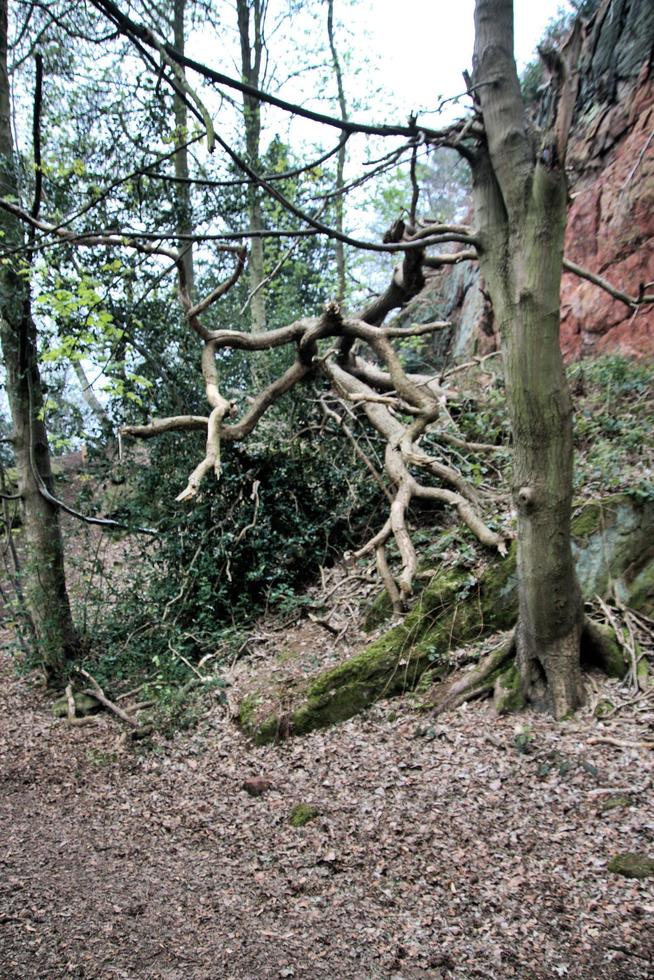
[476, 682]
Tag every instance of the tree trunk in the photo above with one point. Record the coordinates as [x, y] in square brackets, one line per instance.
[340, 164]
[251, 53]
[183, 188]
[45, 586]
[521, 203]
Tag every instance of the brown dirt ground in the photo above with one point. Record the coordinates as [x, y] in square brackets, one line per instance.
[440, 851]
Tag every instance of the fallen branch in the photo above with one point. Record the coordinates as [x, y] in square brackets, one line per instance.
[71, 702]
[95, 691]
[619, 743]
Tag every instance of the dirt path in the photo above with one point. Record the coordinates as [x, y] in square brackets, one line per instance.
[450, 854]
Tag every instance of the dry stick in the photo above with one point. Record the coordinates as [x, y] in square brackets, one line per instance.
[96, 692]
[387, 578]
[367, 462]
[604, 284]
[70, 702]
[619, 743]
[324, 622]
[627, 645]
[607, 790]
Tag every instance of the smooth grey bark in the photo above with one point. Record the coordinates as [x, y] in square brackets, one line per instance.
[520, 197]
[45, 582]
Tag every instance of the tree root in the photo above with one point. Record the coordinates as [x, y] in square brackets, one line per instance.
[478, 681]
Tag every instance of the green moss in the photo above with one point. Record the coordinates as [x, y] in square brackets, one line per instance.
[588, 522]
[616, 803]
[84, 705]
[247, 709]
[641, 588]
[507, 691]
[302, 814]
[643, 674]
[632, 865]
[449, 613]
[456, 610]
[603, 708]
[380, 610]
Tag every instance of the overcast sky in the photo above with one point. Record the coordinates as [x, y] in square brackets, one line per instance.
[425, 63]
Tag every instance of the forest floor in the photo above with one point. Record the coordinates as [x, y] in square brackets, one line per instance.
[472, 847]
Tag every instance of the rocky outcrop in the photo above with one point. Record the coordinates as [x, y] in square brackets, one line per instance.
[611, 218]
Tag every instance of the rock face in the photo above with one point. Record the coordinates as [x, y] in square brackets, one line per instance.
[611, 218]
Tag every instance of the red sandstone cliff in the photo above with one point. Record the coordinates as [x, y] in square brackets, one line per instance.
[611, 226]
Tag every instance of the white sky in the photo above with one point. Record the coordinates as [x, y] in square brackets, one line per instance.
[420, 65]
[411, 54]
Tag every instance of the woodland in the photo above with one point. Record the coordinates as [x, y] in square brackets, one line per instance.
[327, 485]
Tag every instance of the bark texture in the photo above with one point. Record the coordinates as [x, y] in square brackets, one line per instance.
[45, 585]
[521, 200]
[250, 29]
[183, 187]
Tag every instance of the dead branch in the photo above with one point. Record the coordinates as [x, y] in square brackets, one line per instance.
[70, 700]
[95, 691]
[632, 301]
[619, 743]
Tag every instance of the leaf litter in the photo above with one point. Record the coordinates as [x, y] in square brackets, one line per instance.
[477, 847]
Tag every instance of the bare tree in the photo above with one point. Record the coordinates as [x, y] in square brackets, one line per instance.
[520, 195]
[45, 587]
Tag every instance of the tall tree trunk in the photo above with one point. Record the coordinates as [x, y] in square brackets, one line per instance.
[521, 203]
[340, 162]
[45, 586]
[183, 188]
[251, 54]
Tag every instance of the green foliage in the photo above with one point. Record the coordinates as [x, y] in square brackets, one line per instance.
[284, 506]
[614, 408]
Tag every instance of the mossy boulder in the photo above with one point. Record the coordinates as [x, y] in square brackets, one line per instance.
[507, 691]
[612, 548]
[85, 704]
[457, 609]
[600, 648]
[619, 802]
[302, 814]
[381, 610]
[632, 865]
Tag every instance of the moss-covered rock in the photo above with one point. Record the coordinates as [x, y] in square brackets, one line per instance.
[600, 648]
[85, 704]
[456, 610]
[603, 708]
[302, 814]
[507, 691]
[616, 803]
[381, 610]
[609, 539]
[632, 865]
[640, 578]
